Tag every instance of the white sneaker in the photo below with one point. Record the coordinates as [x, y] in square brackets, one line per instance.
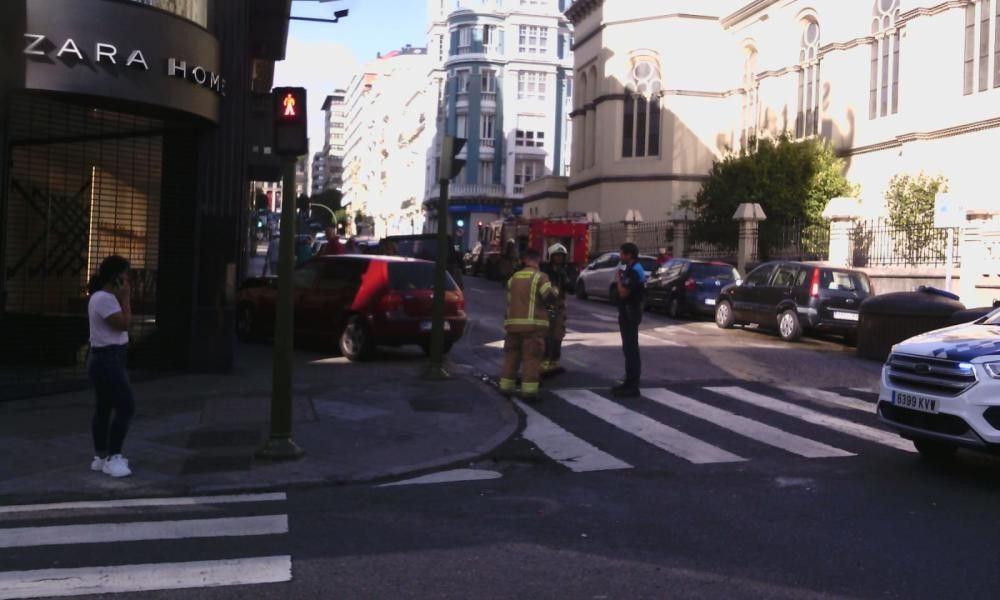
[117, 466]
[97, 464]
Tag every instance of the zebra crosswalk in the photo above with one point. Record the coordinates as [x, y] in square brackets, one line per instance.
[117, 546]
[583, 430]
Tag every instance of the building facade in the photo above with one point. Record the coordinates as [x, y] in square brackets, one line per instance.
[126, 128]
[389, 115]
[664, 89]
[503, 77]
[331, 159]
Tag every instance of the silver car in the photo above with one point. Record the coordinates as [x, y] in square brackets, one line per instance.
[598, 278]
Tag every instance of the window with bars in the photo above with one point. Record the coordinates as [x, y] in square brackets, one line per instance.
[749, 108]
[526, 171]
[533, 39]
[807, 118]
[640, 126]
[529, 139]
[978, 52]
[531, 85]
[883, 96]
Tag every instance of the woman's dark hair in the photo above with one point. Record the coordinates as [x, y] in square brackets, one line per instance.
[111, 269]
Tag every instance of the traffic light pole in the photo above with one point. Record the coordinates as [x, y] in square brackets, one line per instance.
[436, 370]
[280, 445]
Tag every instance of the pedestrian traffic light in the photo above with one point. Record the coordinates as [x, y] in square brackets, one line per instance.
[451, 165]
[290, 128]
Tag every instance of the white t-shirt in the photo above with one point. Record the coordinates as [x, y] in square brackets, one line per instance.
[101, 306]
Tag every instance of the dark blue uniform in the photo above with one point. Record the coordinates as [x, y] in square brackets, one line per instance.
[629, 318]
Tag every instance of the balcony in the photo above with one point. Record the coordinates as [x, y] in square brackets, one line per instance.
[470, 190]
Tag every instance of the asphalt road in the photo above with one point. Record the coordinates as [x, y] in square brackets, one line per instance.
[751, 468]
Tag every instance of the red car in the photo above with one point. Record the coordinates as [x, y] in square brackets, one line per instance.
[358, 302]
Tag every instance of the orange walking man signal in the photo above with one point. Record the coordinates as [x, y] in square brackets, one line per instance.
[289, 104]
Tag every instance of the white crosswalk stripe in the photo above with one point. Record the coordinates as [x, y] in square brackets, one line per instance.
[815, 417]
[649, 430]
[564, 447]
[754, 430]
[113, 529]
[554, 434]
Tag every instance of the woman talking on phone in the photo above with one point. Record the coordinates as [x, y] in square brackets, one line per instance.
[110, 311]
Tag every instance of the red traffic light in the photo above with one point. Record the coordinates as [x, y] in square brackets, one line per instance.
[289, 103]
[290, 133]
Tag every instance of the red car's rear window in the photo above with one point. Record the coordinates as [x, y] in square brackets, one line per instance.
[415, 276]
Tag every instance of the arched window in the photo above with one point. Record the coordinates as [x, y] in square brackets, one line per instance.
[884, 89]
[641, 117]
[807, 117]
[749, 114]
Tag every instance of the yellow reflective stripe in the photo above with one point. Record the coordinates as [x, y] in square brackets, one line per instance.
[526, 322]
[529, 388]
[534, 294]
[507, 384]
[545, 288]
[524, 274]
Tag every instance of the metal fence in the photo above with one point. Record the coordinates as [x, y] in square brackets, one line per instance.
[794, 239]
[882, 243]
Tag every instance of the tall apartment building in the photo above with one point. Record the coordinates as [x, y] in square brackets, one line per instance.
[328, 165]
[502, 74]
[390, 110]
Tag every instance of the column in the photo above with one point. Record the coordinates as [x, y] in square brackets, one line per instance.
[842, 214]
[749, 217]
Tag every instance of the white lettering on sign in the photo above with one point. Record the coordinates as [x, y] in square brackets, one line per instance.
[106, 51]
[69, 46]
[137, 58]
[34, 40]
[35, 45]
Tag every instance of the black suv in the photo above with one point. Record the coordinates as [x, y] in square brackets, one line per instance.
[686, 286]
[792, 297]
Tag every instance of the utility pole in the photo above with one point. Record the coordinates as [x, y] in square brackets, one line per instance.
[290, 141]
[449, 167]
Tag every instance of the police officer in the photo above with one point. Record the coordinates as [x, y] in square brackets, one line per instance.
[558, 275]
[529, 293]
[630, 283]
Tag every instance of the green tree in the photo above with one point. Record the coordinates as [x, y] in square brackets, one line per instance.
[910, 200]
[791, 180]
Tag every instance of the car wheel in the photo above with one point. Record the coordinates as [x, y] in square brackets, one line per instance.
[674, 308]
[789, 327]
[246, 324]
[934, 450]
[724, 316]
[581, 290]
[355, 340]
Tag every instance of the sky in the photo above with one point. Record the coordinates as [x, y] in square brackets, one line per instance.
[324, 56]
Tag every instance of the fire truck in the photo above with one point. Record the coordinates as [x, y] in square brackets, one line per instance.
[503, 241]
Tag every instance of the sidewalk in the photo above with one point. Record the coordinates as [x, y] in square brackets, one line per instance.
[197, 433]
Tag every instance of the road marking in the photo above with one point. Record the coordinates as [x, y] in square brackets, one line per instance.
[755, 430]
[603, 317]
[816, 418]
[651, 431]
[477, 290]
[832, 398]
[451, 476]
[661, 341]
[564, 447]
[96, 533]
[576, 362]
[139, 502]
[144, 578]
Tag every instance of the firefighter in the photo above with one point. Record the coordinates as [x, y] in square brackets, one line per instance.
[559, 276]
[529, 295]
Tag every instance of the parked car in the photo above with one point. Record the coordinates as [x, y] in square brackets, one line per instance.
[598, 278]
[357, 302]
[942, 389]
[793, 297]
[424, 246]
[688, 287]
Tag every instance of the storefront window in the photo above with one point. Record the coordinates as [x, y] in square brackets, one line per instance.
[192, 10]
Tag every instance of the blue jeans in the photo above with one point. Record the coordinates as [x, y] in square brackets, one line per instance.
[114, 395]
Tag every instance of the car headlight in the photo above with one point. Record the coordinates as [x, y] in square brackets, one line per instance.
[992, 369]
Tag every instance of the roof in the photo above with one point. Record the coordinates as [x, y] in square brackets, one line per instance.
[581, 8]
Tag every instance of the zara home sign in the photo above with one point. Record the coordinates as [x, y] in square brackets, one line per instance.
[37, 45]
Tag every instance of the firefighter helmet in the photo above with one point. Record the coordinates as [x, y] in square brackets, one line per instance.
[557, 249]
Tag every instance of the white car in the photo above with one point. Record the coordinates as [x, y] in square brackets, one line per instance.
[942, 389]
[598, 278]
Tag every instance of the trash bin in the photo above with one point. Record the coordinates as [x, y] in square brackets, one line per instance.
[973, 314]
[888, 319]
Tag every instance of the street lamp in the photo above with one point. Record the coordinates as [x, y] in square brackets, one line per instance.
[337, 15]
